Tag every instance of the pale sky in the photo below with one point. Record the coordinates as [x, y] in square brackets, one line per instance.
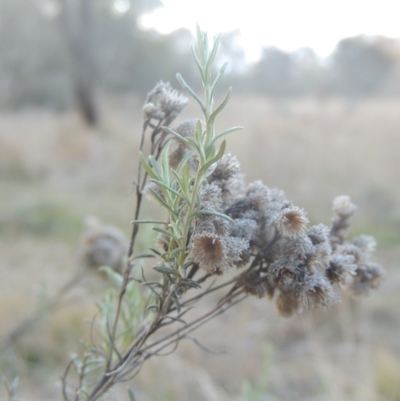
[287, 24]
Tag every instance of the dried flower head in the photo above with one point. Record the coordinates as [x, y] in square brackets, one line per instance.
[343, 206]
[342, 269]
[318, 293]
[102, 245]
[292, 221]
[367, 277]
[208, 251]
[319, 236]
[164, 103]
[244, 228]
[366, 244]
[256, 284]
[226, 168]
[288, 303]
[343, 209]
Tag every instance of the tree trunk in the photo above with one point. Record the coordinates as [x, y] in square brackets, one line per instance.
[79, 38]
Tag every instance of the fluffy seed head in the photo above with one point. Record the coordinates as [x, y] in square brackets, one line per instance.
[102, 245]
[292, 221]
[226, 168]
[164, 103]
[319, 293]
[208, 250]
[343, 206]
[342, 269]
[367, 277]
[288, 303]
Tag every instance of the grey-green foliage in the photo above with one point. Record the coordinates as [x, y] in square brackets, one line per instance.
[180, 187]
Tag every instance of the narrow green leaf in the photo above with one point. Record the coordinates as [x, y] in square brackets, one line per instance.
[165, 163]
[156, 166]
[168, 233]
[213, 53]
[155, 307]
[197, 61]
[191, 91]
[177, 304]
[146, 166]
[214, 159]
[177, 180]
[221, 106]
[174, 133]
[161, 184]
[174, 253]
[14, 385]
[143, 256]
[155, 251]
[131, 395]
[184, 161]
[166, 270]
[147, 222]
[186, 176]
[199, 34]
[198, 132]
[162, 201]
[221, 73]
[115, 278]
[219, 136]
[214, 213]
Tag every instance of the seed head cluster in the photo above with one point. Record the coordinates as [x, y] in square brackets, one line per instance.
[302, 267]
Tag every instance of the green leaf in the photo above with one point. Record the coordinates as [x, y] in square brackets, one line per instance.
[222, 134]
[214, 159]
[198, 132]
[146, 166]
[131, 395]
[166, 270]
[162, 201]
[221, 73]
[115, 278]
[214, 213]
[174, 253]
[174, 133]
[221, 106]
[191, 91]
[165, 163]
[197, 61]
[161, 184]
[168, 233]
[143, 256]
[147, 222]
[14, 385]
[155, 251]
[177, 304]
[184, 161]
[200, 41]
[213, 53]
[156, 167]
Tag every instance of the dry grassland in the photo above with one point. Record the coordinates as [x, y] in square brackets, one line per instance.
[54, 172]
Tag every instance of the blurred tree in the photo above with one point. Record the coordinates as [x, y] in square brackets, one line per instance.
[308, 74]
[360, 66]
[272, 75]
[81, 32]
[76, 22]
